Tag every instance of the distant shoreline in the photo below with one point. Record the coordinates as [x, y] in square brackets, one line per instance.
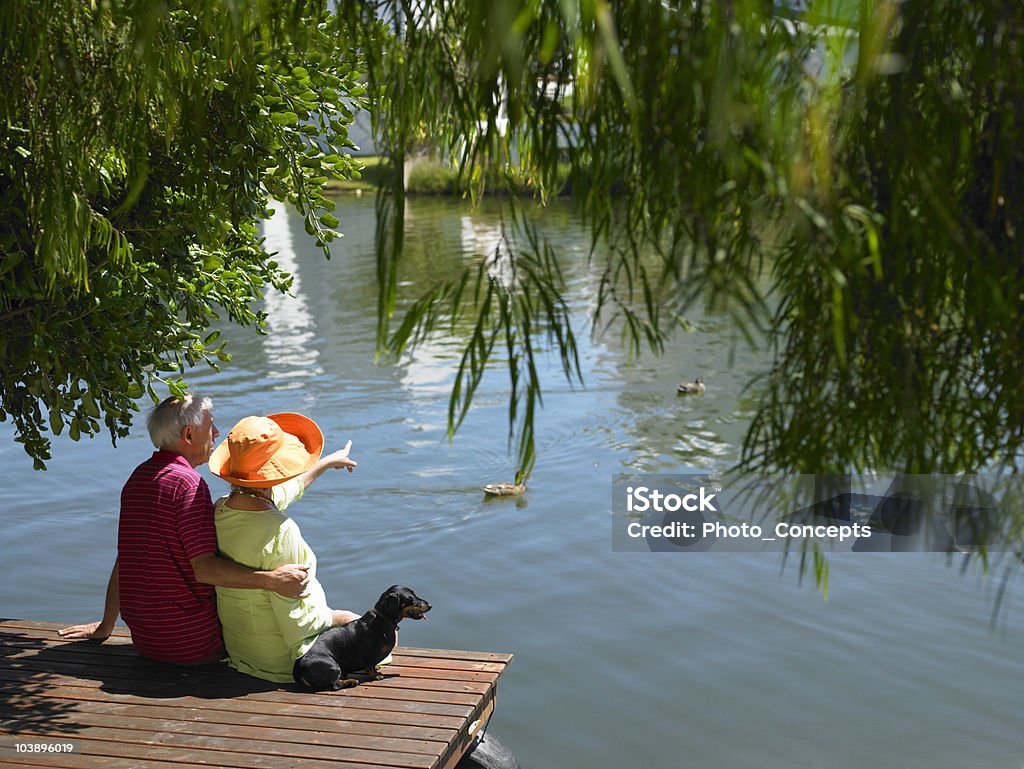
[429, 176]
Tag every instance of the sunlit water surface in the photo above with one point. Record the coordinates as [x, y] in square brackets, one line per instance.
[622, 659]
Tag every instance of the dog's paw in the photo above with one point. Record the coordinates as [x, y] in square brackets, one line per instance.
[344, 683]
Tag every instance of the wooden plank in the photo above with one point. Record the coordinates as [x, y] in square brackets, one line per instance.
[410, 678]
[410, 656]
[8, 757]
[14, 622]
[301, 710]
[458, 746]
[451, 654]
[138, 734]
[68, 708]
[401, 658]
[86, 652]
[30, 637]
[225, 686]
[121, 635]
[148, 721]
[455, 751]
[175, 756]
[441, 674]
[125, 711]
[339, 700]
[216, 680]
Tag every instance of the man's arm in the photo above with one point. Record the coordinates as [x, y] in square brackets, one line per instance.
[339, 459]
[289, 580]
[99, 631]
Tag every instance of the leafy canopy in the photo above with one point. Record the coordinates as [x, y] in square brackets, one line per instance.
[866, 156]
[140, 147]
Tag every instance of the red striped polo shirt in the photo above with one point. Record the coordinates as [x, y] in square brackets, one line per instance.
[166, 520]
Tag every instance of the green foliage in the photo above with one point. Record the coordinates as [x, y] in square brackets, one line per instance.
[432, 177]
[865, 156]
[665, 116]
[901, 276]
[141, 145]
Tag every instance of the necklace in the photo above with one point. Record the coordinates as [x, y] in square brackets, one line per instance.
[254, 495]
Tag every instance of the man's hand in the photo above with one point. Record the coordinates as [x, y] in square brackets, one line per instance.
[290, 580]
[339, 459]
[94, 631]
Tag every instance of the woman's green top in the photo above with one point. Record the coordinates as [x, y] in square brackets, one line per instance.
[264, 633]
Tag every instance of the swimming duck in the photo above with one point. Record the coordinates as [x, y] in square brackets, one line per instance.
[696, 387]
[504, 489]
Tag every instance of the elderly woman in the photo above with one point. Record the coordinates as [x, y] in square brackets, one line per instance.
[269, 462]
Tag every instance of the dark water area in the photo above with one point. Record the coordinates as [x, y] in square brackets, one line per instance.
[622, 659]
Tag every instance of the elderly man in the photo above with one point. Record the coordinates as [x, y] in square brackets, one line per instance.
[167, 566]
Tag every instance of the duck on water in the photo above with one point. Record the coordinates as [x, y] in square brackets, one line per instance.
[696, 387]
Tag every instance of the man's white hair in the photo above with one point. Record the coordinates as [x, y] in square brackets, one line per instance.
[166, 421]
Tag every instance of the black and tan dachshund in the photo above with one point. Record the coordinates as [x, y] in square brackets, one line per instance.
[360, 644]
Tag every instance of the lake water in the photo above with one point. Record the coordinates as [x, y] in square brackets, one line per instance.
[622, 659]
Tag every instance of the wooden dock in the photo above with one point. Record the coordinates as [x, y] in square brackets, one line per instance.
[121, 711]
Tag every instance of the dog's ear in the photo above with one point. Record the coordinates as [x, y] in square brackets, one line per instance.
[390, 604]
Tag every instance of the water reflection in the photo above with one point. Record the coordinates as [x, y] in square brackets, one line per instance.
[428, 371]
[289, 344]
[486, 239]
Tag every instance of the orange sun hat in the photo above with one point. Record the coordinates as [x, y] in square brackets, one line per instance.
[261, 452]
